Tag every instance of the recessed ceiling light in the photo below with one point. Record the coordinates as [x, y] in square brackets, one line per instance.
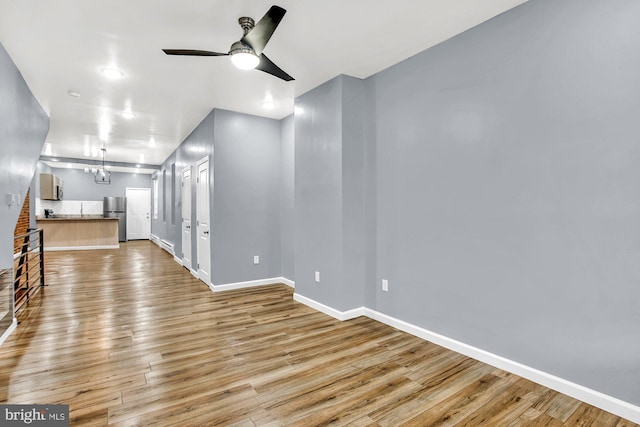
[73, 94]
[112, 73]
[152, 142]
[268, 105]
[127, 114]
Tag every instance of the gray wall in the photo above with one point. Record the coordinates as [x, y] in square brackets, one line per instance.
[330, 193]
[23, 128]
[500, 187]
[167, 226]
[287, 216]
[318, 197]
[78, 185]
[196, 146]
[508, 190]
[246, 198]
[244, 153]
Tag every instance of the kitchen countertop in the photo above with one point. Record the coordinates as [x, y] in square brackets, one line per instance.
[75, 218]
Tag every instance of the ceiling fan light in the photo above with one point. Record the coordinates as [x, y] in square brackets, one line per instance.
[245, 60]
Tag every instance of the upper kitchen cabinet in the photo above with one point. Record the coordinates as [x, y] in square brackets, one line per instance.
[50, 187]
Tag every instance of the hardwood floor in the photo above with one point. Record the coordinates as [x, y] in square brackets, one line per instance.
[128, 337]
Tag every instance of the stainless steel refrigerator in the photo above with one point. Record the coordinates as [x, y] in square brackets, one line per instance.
[116, 207]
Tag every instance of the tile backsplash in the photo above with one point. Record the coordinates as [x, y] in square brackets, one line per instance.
[69, 207]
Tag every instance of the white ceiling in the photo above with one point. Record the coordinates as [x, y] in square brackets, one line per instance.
[61, 46]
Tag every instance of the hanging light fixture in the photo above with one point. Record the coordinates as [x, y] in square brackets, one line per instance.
[102, 175]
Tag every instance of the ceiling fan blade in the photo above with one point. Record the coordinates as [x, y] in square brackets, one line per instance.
[269, 67]
[192, 52]
[261, 33]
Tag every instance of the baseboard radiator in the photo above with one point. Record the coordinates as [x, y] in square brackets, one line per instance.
[167, 246]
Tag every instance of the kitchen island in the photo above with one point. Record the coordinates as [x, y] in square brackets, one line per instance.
[79, 232]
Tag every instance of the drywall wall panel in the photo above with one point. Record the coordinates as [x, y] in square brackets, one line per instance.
[507, 190]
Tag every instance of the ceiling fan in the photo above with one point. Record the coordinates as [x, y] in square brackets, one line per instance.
[246, 53]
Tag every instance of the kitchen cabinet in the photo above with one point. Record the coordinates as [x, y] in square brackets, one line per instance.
[50, 187]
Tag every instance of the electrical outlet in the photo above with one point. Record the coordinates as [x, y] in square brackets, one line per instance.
[318, 276]
[256, 259]
[385, 285]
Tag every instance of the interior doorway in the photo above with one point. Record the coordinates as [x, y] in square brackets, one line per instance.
[138, 213]
[186, 217]
[203, 225]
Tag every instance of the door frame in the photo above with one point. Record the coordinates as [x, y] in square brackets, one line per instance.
[187, 263]
[148, 213]
[207, 160]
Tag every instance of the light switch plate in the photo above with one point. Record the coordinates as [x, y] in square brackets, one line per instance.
[385, 285]
[318, 276]
[256, 259]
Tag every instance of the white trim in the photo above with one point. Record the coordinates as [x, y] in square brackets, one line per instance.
[577, 391]
[287, 282]
[248, 284]
[155, 239]
[209, 191]
[126, 193]
[340, 315]
[167, 246]
[592, 397]
[9, 330]
[178, 260]
[80, 248]
[194, 273]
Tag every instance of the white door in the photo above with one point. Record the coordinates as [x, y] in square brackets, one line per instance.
[186, 217]
[138, 213]
[202, 221]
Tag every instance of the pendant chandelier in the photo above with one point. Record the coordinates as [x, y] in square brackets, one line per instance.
[102, 175]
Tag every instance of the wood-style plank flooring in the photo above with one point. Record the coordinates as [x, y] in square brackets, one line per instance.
[128, 337]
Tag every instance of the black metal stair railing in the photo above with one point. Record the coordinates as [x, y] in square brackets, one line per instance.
[28, 266]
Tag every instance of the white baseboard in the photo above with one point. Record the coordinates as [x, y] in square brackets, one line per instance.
[194, 273]
[287, 282]
[577, 391]
[178, 260]
[80, 248]
[340, 315]
[9, 330]
[249, 284]
[155, 239]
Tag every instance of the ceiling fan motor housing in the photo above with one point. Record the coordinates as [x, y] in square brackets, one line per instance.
[239, 47]
[246, 23]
